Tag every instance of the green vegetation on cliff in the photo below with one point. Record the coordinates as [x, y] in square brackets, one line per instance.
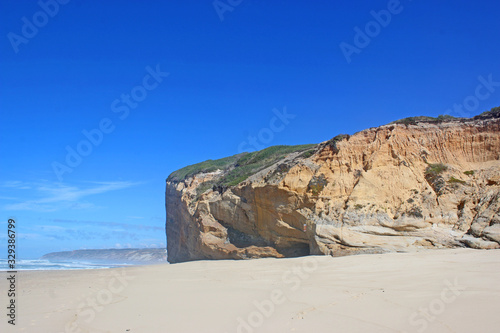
[239, 167]
[254, 162]
[435, 169]
[206, 166]
[493, 113]
[425, 119]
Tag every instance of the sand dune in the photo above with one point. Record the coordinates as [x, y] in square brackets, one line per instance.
[432, 291]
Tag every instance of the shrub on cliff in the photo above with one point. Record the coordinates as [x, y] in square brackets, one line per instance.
[424, 119]
[333, 142]
[432, 175]
[454, 180]
[317, 184]
[493, 113]
[435, 169]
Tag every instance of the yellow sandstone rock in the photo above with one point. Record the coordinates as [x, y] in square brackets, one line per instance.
[398, 187]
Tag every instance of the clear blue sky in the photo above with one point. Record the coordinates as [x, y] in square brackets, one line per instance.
[100, 67]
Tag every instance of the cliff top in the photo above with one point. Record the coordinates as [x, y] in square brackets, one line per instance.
[493, 113]
[238, 168]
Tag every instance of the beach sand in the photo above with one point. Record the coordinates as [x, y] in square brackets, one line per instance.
[431, 291]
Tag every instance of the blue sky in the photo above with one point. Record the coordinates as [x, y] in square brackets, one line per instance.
[102, 100]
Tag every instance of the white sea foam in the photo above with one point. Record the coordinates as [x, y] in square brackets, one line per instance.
[38, 264]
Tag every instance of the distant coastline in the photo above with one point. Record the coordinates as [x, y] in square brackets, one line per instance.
[122, 256]
[91, 259]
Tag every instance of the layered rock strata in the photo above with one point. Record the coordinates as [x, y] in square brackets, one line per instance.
[398, 187]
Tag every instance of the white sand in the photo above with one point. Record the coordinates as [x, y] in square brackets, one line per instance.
[365, 293]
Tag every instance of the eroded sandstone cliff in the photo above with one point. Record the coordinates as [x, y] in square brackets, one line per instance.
[414, 184]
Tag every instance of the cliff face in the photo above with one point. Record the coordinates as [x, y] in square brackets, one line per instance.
[398, 187]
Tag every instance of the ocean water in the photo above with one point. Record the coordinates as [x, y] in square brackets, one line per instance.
[38, 264]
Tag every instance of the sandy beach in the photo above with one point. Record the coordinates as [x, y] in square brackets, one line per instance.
[431, 291]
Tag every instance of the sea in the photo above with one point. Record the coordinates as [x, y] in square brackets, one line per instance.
[38, 264]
